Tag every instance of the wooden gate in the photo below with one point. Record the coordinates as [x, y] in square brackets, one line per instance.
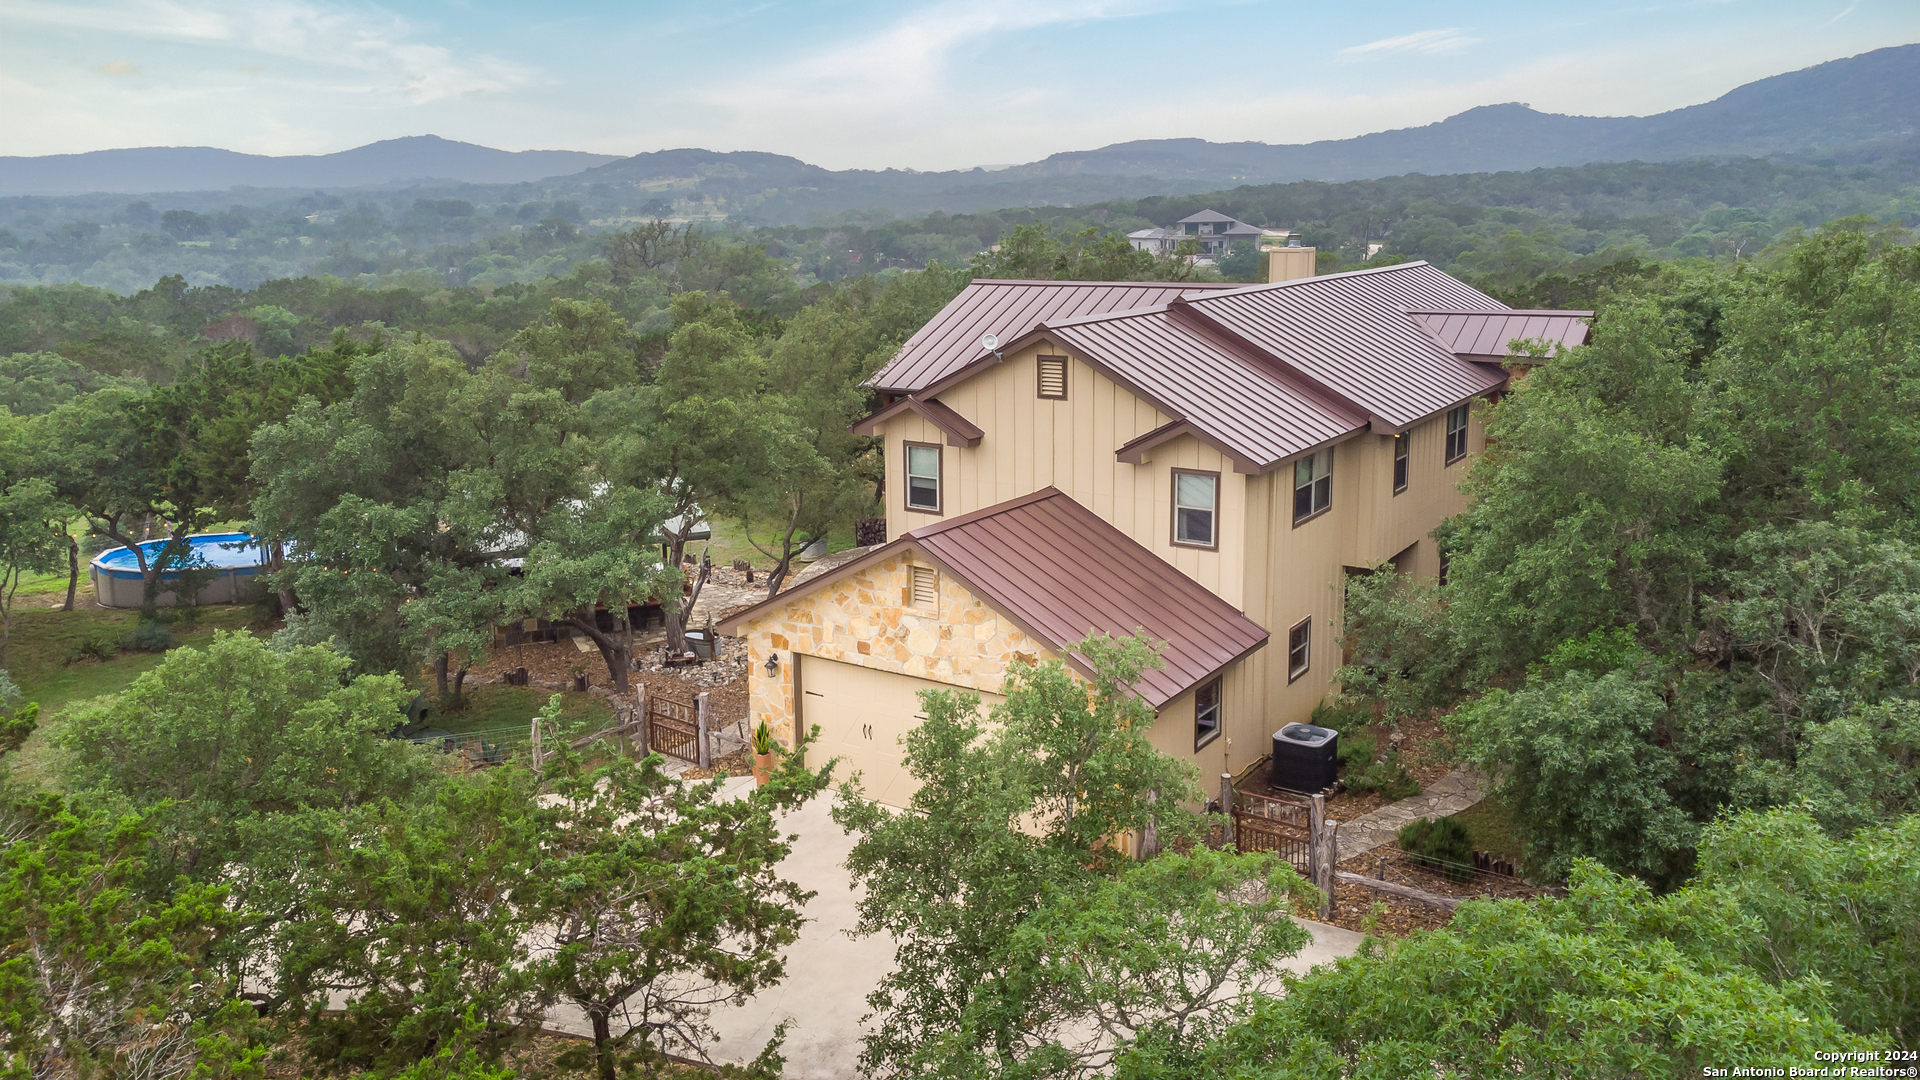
[673, 727]
[1280, 826]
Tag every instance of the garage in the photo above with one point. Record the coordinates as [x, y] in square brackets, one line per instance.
[862, 714]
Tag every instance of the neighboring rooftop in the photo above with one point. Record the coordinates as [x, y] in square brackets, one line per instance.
[1063, 574]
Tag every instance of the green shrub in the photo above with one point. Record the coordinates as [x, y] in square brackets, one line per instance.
[1441, 844]
[1389, 778]
[1357, 750]
[95, 645]
[151, 637]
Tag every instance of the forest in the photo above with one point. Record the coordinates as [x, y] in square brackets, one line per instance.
[1511, 225]
[1679, 631]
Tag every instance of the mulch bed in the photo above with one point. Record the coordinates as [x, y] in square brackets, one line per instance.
[1422, 752]
[1400, 917]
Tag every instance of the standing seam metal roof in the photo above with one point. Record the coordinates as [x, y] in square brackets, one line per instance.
[1232, 398]
[1350, 332]
[1063, 572]
[1486, 333]
[951, 339]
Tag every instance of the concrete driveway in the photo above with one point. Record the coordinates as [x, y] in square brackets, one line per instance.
[830, 972]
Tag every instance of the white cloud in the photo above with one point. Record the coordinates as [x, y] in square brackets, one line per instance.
[118, 67]
[1424, 42]
[376, 46]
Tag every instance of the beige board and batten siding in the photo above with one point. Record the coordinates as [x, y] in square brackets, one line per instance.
[1032, 442]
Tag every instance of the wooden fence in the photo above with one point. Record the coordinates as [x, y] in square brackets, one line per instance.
[673, 727]
[1279, 826]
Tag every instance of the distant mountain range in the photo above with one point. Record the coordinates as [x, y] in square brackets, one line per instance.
[1845, 103]
[1862, 99]
[202, 168]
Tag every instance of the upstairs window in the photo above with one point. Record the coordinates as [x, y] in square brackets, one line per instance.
[1053, 377]
[1312, 485]
[1206, 714]
[1195, 495]
[1299, 648]
[1456, 434]
[1400, 451]
[923, 477]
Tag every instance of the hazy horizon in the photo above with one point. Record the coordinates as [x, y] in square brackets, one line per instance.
[857, 84]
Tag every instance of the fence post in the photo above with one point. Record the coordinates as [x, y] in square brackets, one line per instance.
[1226, 807]
[1316, 824]
[705, 732]
[640, 740]
[1329, 858]
[533, 742]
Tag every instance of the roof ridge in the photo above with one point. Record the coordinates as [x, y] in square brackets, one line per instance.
[1270, 286]
[983, 513]
[1577, 313]
[1056, 283]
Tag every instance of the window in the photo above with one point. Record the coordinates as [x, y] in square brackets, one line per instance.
[1206, 714]
[1456, 434]
[1312, 485]
[1194, 498]
[1400, 450]
[925, 587]
[1299, 648]
[1053, 377]
[923, 477]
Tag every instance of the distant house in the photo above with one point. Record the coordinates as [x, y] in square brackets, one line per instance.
[1212, 232]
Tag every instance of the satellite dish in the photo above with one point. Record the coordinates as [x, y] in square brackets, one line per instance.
[989, 342]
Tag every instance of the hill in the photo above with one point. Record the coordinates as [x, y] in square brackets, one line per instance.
[204, 168]
[1861, 99]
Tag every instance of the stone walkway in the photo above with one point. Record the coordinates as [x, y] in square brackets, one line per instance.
[1450, 794]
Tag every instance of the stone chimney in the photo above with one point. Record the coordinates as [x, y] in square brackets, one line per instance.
[1290, 262]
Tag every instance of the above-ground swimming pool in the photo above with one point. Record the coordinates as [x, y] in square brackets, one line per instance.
[233, 557]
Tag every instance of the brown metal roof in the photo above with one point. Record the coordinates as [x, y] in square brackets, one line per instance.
[1247, 408]
[1062, 573]
[951, 340]
[1350, 332]
[959, 430]
[1486, 333]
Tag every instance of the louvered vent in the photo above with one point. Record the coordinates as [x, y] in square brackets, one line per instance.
[925, 591]
[1053, 377]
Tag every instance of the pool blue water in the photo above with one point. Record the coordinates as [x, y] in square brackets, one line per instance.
[222, 550]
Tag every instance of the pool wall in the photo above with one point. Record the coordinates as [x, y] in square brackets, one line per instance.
[115, 587]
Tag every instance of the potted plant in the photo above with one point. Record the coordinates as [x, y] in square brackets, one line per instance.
[763, 748]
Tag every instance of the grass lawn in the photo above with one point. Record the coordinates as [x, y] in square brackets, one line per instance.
[43, 641]
[497, 705]
[730, 543]
[1493, 829]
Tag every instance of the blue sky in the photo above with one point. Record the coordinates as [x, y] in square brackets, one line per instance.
[926, 84]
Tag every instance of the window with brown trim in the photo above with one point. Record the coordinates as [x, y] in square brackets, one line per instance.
[1196, 514]
[1312, 485]
[1401, 450]
[1206, 714]
[1299, 648]
[1051, 376]
[923, 477]
[1456, 433]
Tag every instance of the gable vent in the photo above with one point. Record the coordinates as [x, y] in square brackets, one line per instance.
[1053, 377]
[925, 587]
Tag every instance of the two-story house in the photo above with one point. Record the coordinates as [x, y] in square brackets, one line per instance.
[1212, 232]
[1203, 462]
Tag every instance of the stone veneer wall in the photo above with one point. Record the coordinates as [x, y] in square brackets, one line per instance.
[865, 619]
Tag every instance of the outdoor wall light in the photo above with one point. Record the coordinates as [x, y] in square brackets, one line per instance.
[773, 664]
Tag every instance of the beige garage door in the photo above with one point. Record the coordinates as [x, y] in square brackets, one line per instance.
[862, 714]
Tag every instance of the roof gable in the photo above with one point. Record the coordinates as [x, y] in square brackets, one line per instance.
[1061, 572]
[1009, 309]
